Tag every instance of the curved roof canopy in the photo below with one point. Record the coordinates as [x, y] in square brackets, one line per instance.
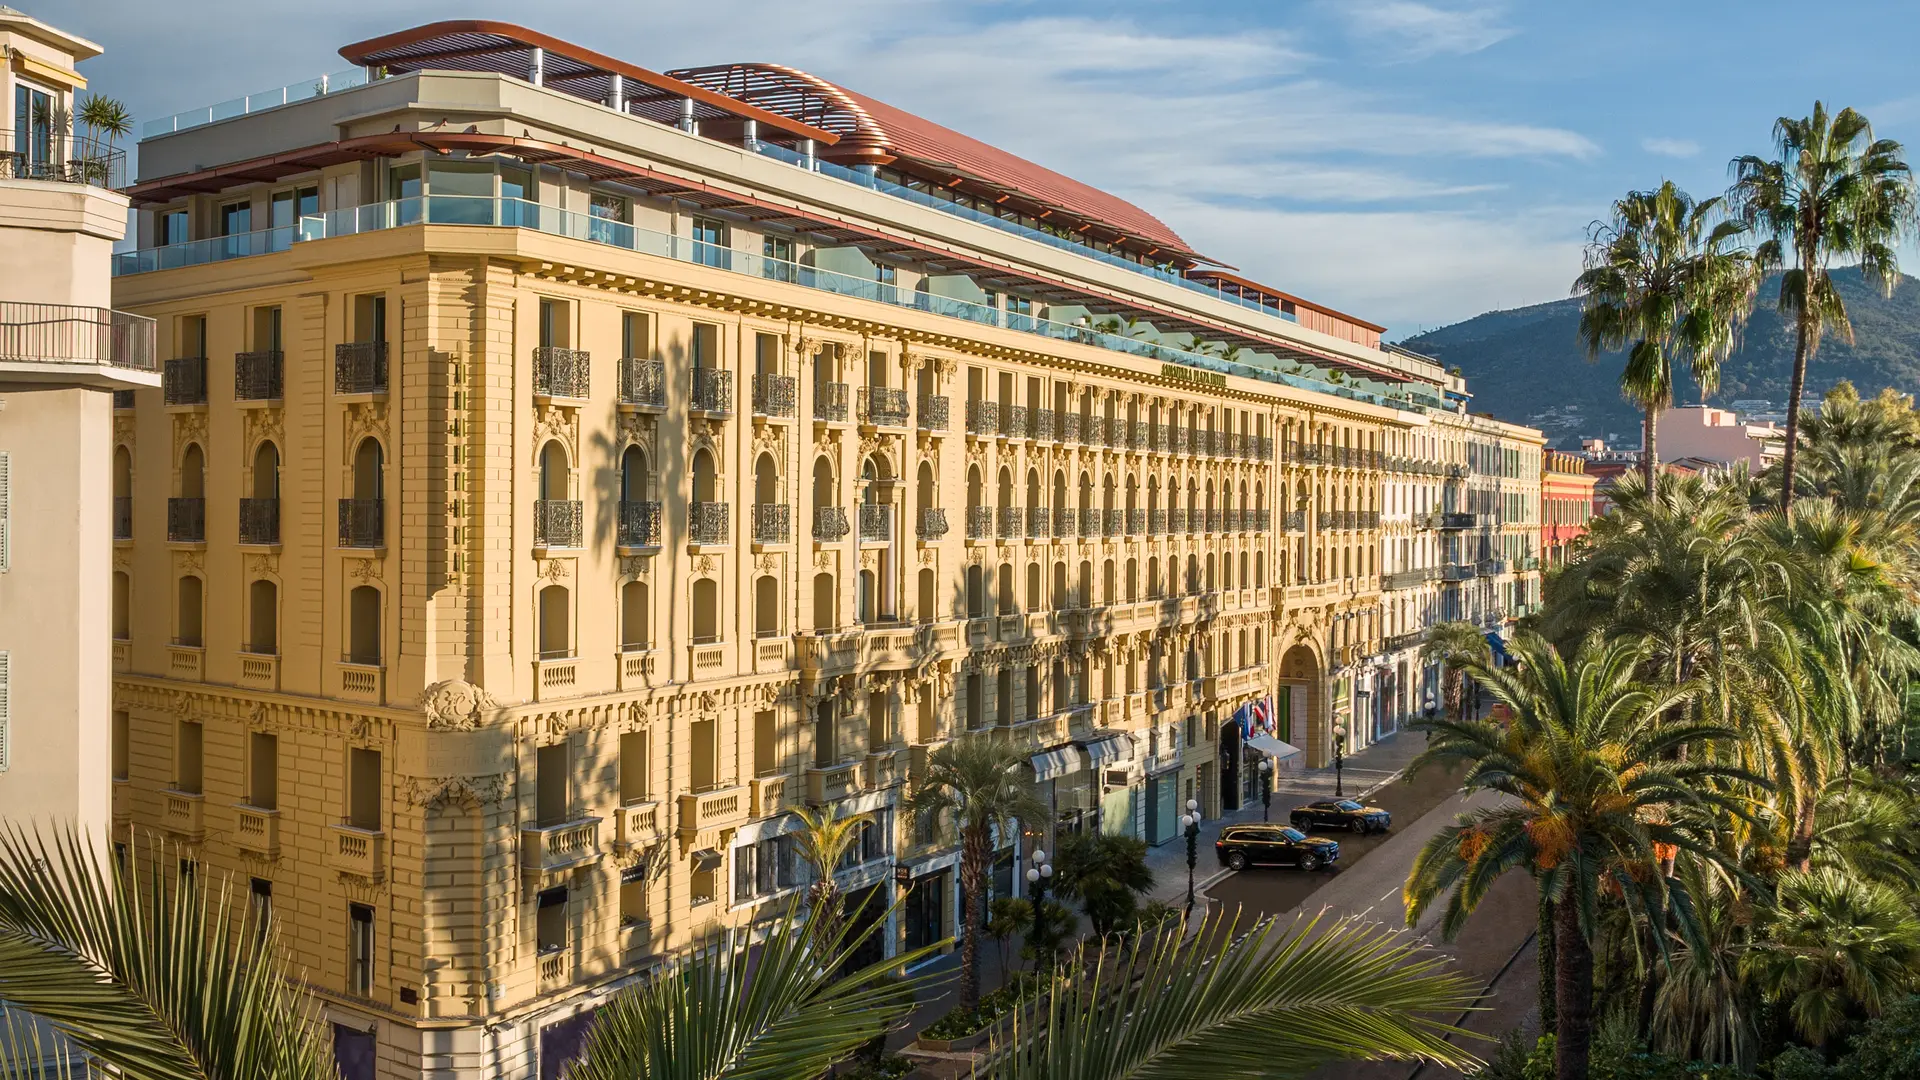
[507, 49]
[872, 132]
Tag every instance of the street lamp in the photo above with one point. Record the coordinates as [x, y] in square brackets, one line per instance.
[1339, 757]
[1266, 788]
[1037, 877]
[1190, 821]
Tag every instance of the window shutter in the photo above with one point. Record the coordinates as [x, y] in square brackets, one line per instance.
[6, 513]
[6, 715]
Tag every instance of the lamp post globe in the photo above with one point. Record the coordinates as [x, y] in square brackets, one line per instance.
[1266, 789]
[1037, 876]
[1339, 758]
[1190, 821]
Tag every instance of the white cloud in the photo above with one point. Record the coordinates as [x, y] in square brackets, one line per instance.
[1415, 31]
[1676, 148]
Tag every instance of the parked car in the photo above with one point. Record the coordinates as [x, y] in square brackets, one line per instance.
[1340, 814]
[1241, 846]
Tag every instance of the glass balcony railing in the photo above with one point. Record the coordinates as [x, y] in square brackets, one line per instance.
[518, 213]
[266, 99]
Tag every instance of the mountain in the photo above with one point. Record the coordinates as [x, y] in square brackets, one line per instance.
[1527, 364]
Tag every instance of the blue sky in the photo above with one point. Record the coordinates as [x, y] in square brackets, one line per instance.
[1414, 162]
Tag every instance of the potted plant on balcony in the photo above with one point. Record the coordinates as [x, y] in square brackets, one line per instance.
[106, 121]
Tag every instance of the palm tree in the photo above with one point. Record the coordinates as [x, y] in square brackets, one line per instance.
[103, 116]
[1233, 1002]
[1595, 796]
[152, 981]
[823, 840]
[774, 1010]
[1833, 192]
[1834, 941]
[1105, 872]
[1454, 645]
[976, 782]
[1664, 280]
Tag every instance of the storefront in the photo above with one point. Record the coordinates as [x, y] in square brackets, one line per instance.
[929, 907]
[1163, 806]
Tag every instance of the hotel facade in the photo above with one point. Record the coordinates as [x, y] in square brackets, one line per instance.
[563, 470]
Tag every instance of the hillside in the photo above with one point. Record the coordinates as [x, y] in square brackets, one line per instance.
[1527, 365]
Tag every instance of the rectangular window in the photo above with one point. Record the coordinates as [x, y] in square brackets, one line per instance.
[170, 227]
[706, 345]
[263, 776]
[888, 277]
[633, 767]
[710, 243]
[766, 743]
[633, 895]
[550, 927]
[187, 764]
[777, 260]
[288, 207]
[554, 324]
[121, 742]
[633, 335]
[550, 785]
[260, 899]
[363, 788]
[606, 206]
[236, 219]
[360, 950]
[266, 329]
[607, 219]
[33, 116]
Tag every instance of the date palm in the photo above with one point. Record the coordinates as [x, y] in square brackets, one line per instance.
[1596, 798]
[1453, 645]
[975, 783]
[1665, 280]
[823, 840]
[1833, 943]
[1231, 1002]
[1832, 193]
[149, 980]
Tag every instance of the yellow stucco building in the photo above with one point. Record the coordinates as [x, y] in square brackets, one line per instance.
[564, 469]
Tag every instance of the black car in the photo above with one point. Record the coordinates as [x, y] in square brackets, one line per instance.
[1340, 814]
[1241, 846]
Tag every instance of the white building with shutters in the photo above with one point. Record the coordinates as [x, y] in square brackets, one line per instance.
[63, 354]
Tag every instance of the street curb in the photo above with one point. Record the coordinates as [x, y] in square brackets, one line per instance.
[1391, 777]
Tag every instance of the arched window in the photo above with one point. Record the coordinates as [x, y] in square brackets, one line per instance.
[266, 471]
[190, 612]
[1035, 601]
[1008, 590]
[1108, 585]
[929, 595]
[556, 623]
[363, 625]
[766, 606]
[263, 618]
[703, 476]
[1226, 570]
[193, 473]
[1153, 577]
[766, 481]
[706, 611]
[1060, 585]
[556, 478]
[122, 606]
[369, 473]
[974, 494]
[122, 473]
[976, 592]
[634, 617]
[866, 603]
[635, 483]
[826, 602]
[1084, 596]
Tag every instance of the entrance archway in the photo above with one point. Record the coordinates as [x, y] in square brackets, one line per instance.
[1302, 709]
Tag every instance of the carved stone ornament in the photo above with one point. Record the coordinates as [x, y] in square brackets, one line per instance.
[824, 560]
[123, 432]
[263, 564]
[928, 556]
[766, 562]
[466, 791]
[704, 565]
[190, 562]
[363, 569]
[635, 566]
[188, 427]
[553, 569]
[455, 705]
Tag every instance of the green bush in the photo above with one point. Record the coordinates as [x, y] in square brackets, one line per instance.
[958, 1024]
[891, 1067]
[1611, 1061]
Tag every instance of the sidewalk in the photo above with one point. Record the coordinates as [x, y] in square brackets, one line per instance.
[1360, 772]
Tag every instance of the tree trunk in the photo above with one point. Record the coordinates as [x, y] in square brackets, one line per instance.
[1573, 987]
[1543, 946]
[1650, 445]
[1800, 843]
[1649, 986]
[1799, 381]
[975, 851]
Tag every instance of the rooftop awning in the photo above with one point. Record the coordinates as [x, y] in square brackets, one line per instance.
[1112, 748]
[1273, 748]
[1058, 762]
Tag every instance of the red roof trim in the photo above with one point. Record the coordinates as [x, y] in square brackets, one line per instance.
[369, 52]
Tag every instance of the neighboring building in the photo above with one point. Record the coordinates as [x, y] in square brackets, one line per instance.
[597, 463]
[1566, 503]
[1717, 435]
[63, 354]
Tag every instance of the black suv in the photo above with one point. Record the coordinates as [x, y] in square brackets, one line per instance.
[1241, 846]
[1340, 814]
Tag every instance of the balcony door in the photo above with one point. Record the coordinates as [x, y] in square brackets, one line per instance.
[33, 129]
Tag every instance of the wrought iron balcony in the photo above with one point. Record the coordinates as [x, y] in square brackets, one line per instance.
[1093, 430]
[184, 381]
[983, 418]
[1090, 521]
[643, 383]
[979, 522]
[830, 402]
[1179, 441]
[773, 395]
[876, 523]
[360, 367]
[1259, 520]
[933, 412]
[1176, 521]
[1233, 520]
[712, 392]
[1156, 523]
[1037, 522]
[1041, 424]
[1215, 520]
[933, 523]
[122, 400]
[1063, 521]
[259, 521]
[882, 406]
[1115, 522]
[1013, 421]
[187, 521]
[1137, 439]
[363, 523]
[123, 517]
[639, 524]
[829, 523]
[256, 375]
[562, 373]
[772, 523]
[558, 523]
[1012, 522]
[710, 522]
[1069, 427]
[1459, 521]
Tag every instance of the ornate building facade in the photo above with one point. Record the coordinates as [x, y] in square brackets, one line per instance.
[563, 470]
